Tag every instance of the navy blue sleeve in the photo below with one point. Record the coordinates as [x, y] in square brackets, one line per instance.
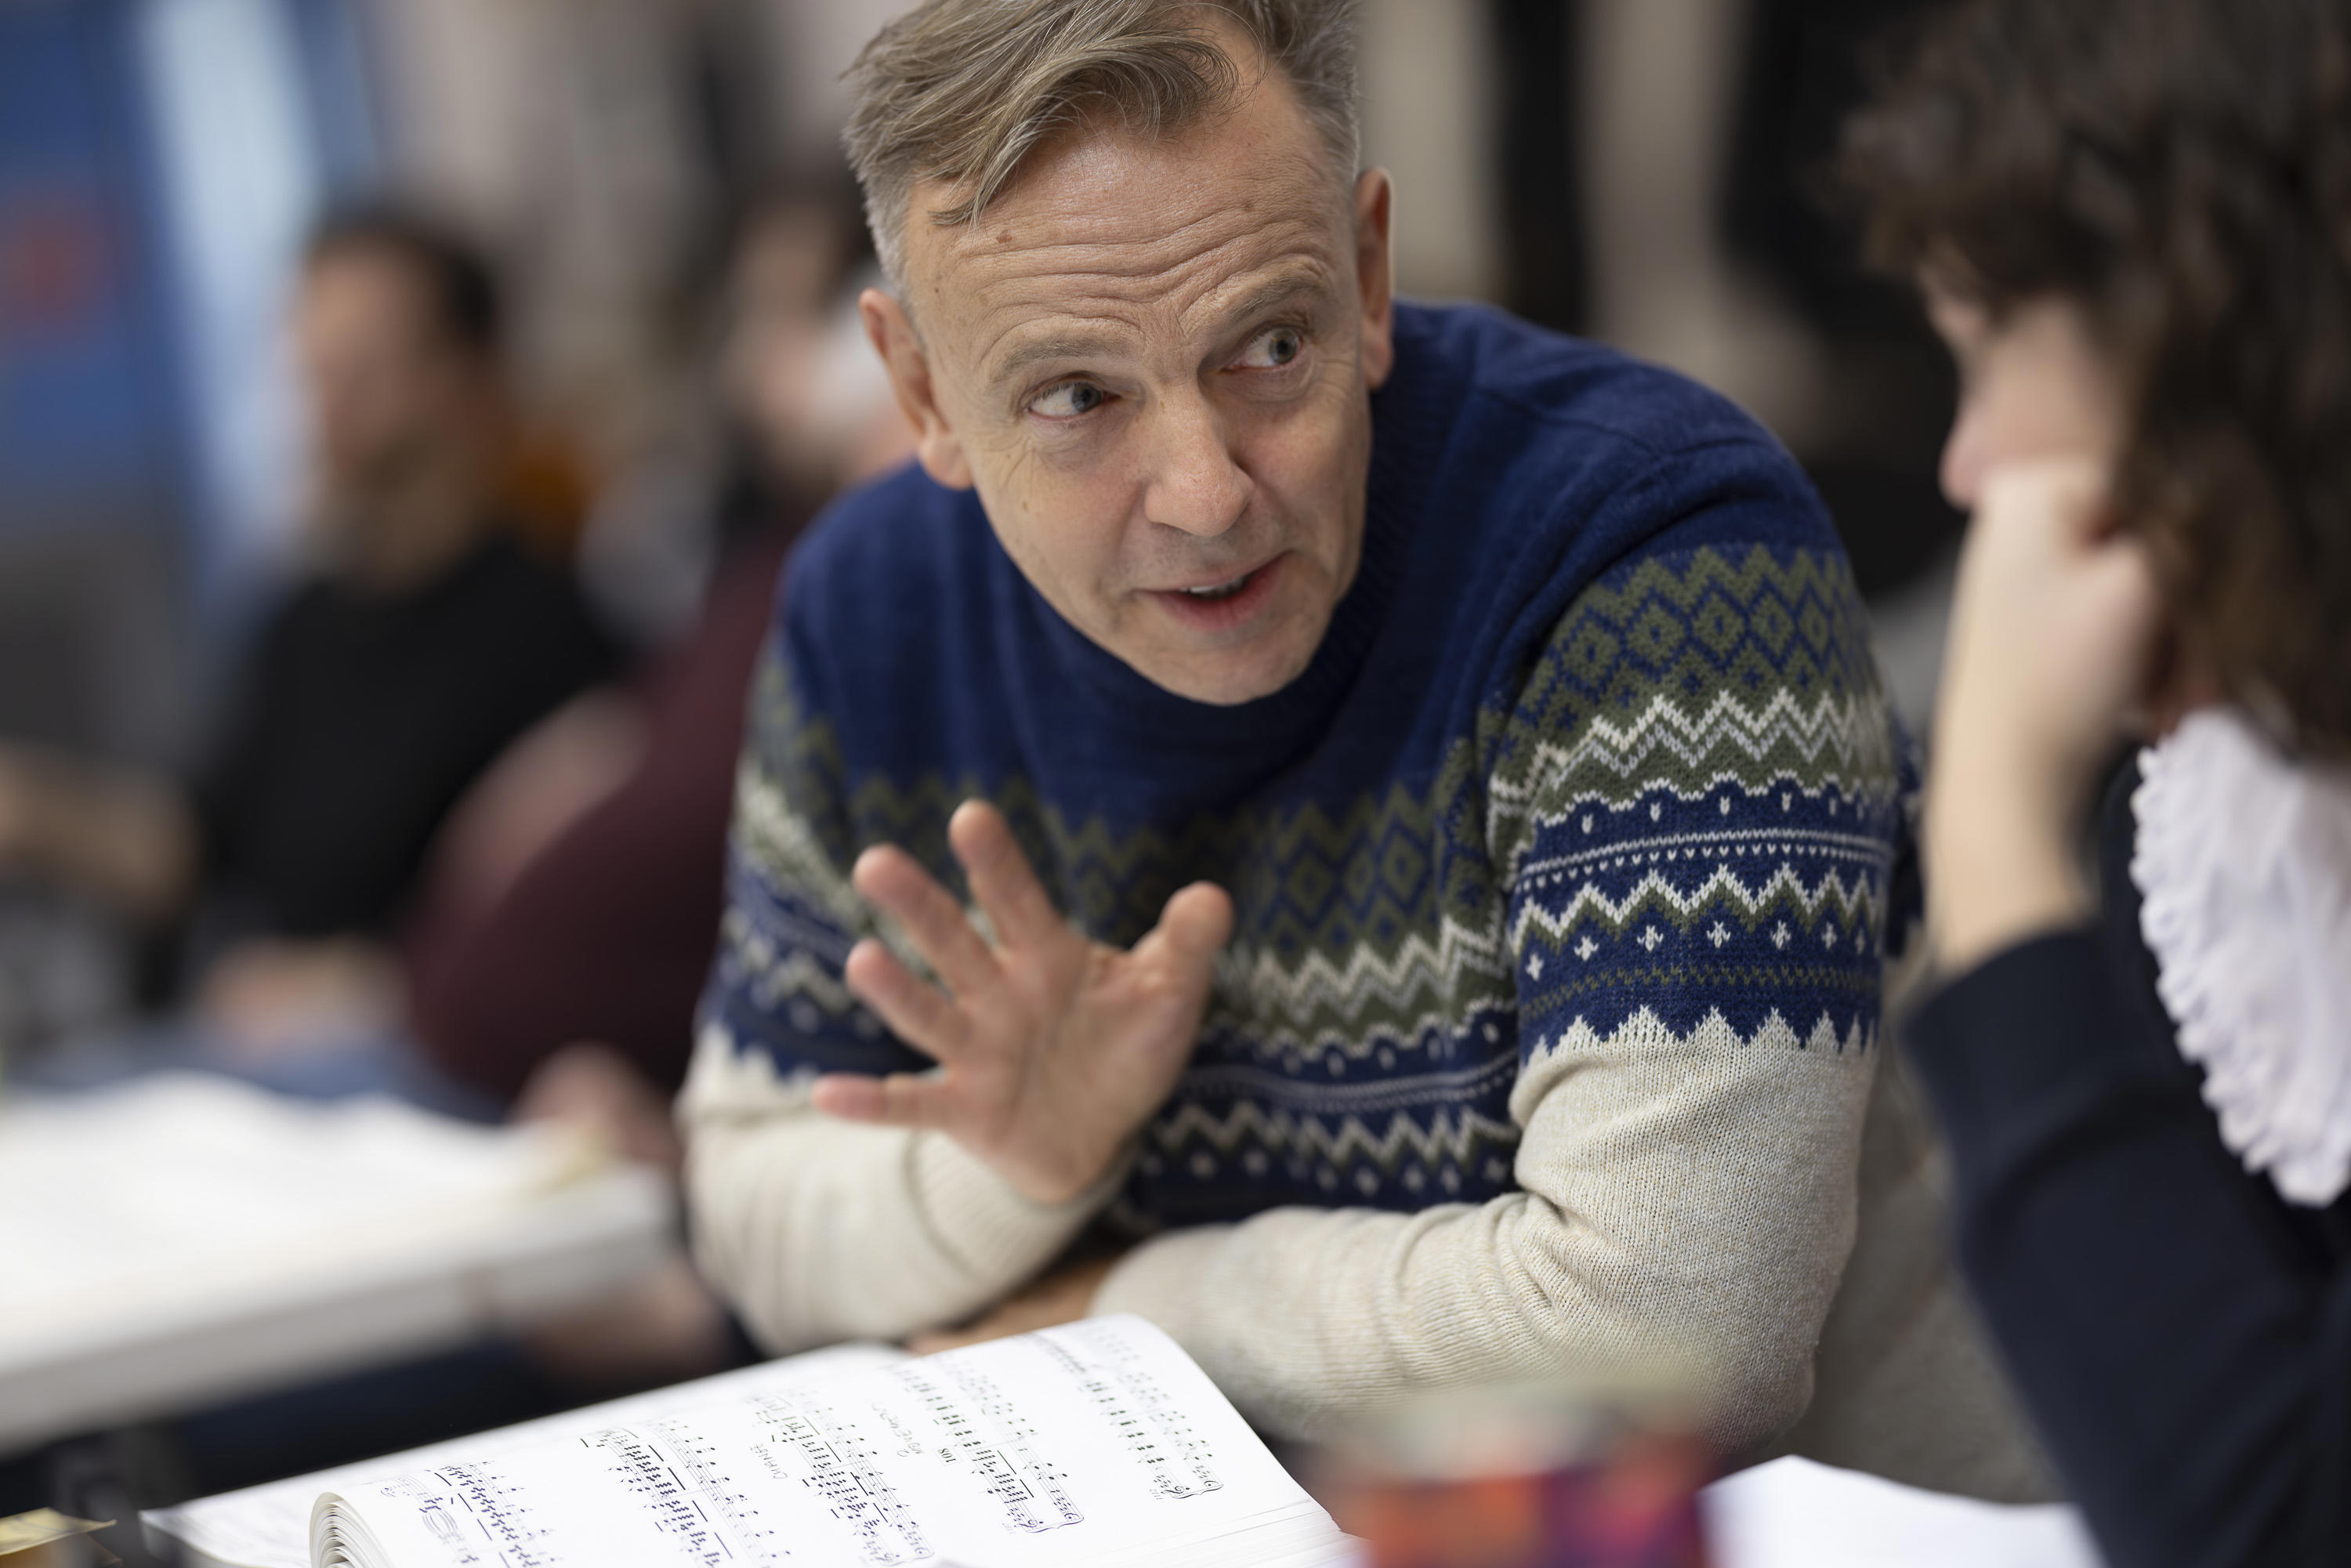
[2180, 1343]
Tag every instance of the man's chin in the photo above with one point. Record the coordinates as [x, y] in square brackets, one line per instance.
[1226, 678]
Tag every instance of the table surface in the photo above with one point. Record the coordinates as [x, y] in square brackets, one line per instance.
[183, 1239]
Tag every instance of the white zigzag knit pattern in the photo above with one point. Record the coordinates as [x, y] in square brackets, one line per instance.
[1847, 729]
[1857, 898]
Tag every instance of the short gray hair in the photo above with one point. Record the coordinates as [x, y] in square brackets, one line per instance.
[961, 91]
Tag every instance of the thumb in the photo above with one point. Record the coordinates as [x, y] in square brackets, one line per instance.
[1197, 923]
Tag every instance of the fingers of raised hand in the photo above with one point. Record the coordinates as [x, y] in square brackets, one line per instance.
[901, 1100]
[889, 879]
[1002, 879]
[915, 1012]
[1193, 928]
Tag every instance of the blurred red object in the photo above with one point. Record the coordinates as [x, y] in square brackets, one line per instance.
[54, 259]
[1526, 1478]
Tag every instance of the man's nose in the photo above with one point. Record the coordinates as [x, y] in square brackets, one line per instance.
[1195, 485]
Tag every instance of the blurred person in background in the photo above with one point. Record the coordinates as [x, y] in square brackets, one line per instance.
[567, 916]
[574, 903]
[574, 900]
[2128, 221]
[418, 641]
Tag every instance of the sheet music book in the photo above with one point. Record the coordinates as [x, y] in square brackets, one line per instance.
[1097, 1443]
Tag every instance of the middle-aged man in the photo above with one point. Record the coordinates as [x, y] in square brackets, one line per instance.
[1460, 803]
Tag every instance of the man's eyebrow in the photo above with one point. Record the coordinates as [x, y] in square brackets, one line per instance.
[1276, 291]
[1064, 346]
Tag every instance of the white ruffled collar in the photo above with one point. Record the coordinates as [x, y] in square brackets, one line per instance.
[2243, 865]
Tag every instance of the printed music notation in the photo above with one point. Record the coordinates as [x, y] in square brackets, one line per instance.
[1158, 1433]
[836, 1461]
[1041, 1445]
[478, 1517]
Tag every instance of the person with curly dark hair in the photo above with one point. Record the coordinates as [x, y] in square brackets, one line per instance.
[2131, 219]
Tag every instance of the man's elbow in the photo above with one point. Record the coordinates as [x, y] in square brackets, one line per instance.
[1757, 1390]
[1736, 1358]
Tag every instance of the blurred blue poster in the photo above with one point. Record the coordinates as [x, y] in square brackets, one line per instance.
[86, 428]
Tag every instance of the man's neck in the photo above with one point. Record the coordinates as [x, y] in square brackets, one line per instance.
[395, 540]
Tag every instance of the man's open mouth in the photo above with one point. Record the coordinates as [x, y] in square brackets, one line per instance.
[1218, 609]
[1220, 590]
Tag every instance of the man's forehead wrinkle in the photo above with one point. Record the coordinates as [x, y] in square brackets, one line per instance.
[1090, 250]
[1131, 292]
[1085, 241]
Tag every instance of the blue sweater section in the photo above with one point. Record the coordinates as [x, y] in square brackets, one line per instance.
[1594, 734]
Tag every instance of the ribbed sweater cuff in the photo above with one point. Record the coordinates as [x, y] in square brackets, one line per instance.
[982, 1222]
[1166, 1281]
[2023, 1026]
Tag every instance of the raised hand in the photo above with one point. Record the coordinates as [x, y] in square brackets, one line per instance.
[2055, 630]
[1052, 1050]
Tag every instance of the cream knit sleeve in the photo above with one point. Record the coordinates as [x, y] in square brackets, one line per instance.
[1689, 1199]
[818, 1230]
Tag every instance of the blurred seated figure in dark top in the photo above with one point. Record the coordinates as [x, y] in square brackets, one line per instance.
[558, 912]
[573, 904]
[564, 918]
[417, 640]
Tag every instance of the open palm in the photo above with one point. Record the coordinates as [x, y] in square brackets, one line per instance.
[1052, 1049]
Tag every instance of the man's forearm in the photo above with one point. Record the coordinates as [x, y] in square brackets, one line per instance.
[1691, 1204]
[818, 1230]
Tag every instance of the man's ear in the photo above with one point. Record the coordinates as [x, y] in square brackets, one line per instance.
[1375, 195]
[891, 332]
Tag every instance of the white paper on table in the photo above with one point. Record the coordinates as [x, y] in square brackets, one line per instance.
[1096, 1443]
[1088, 1445]
[270, 1526]
[188, 1180]
[1793, 1513]
[185, 1238]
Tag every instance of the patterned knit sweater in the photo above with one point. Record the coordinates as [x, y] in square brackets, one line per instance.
[1561, 879]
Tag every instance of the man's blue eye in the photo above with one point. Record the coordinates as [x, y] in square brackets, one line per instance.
[1070, 399]
[1271, 350]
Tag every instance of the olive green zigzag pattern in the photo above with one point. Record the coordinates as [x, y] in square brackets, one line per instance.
[1689, 675]
[1696, 623]
[1250, 1136]
[1846, 898]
